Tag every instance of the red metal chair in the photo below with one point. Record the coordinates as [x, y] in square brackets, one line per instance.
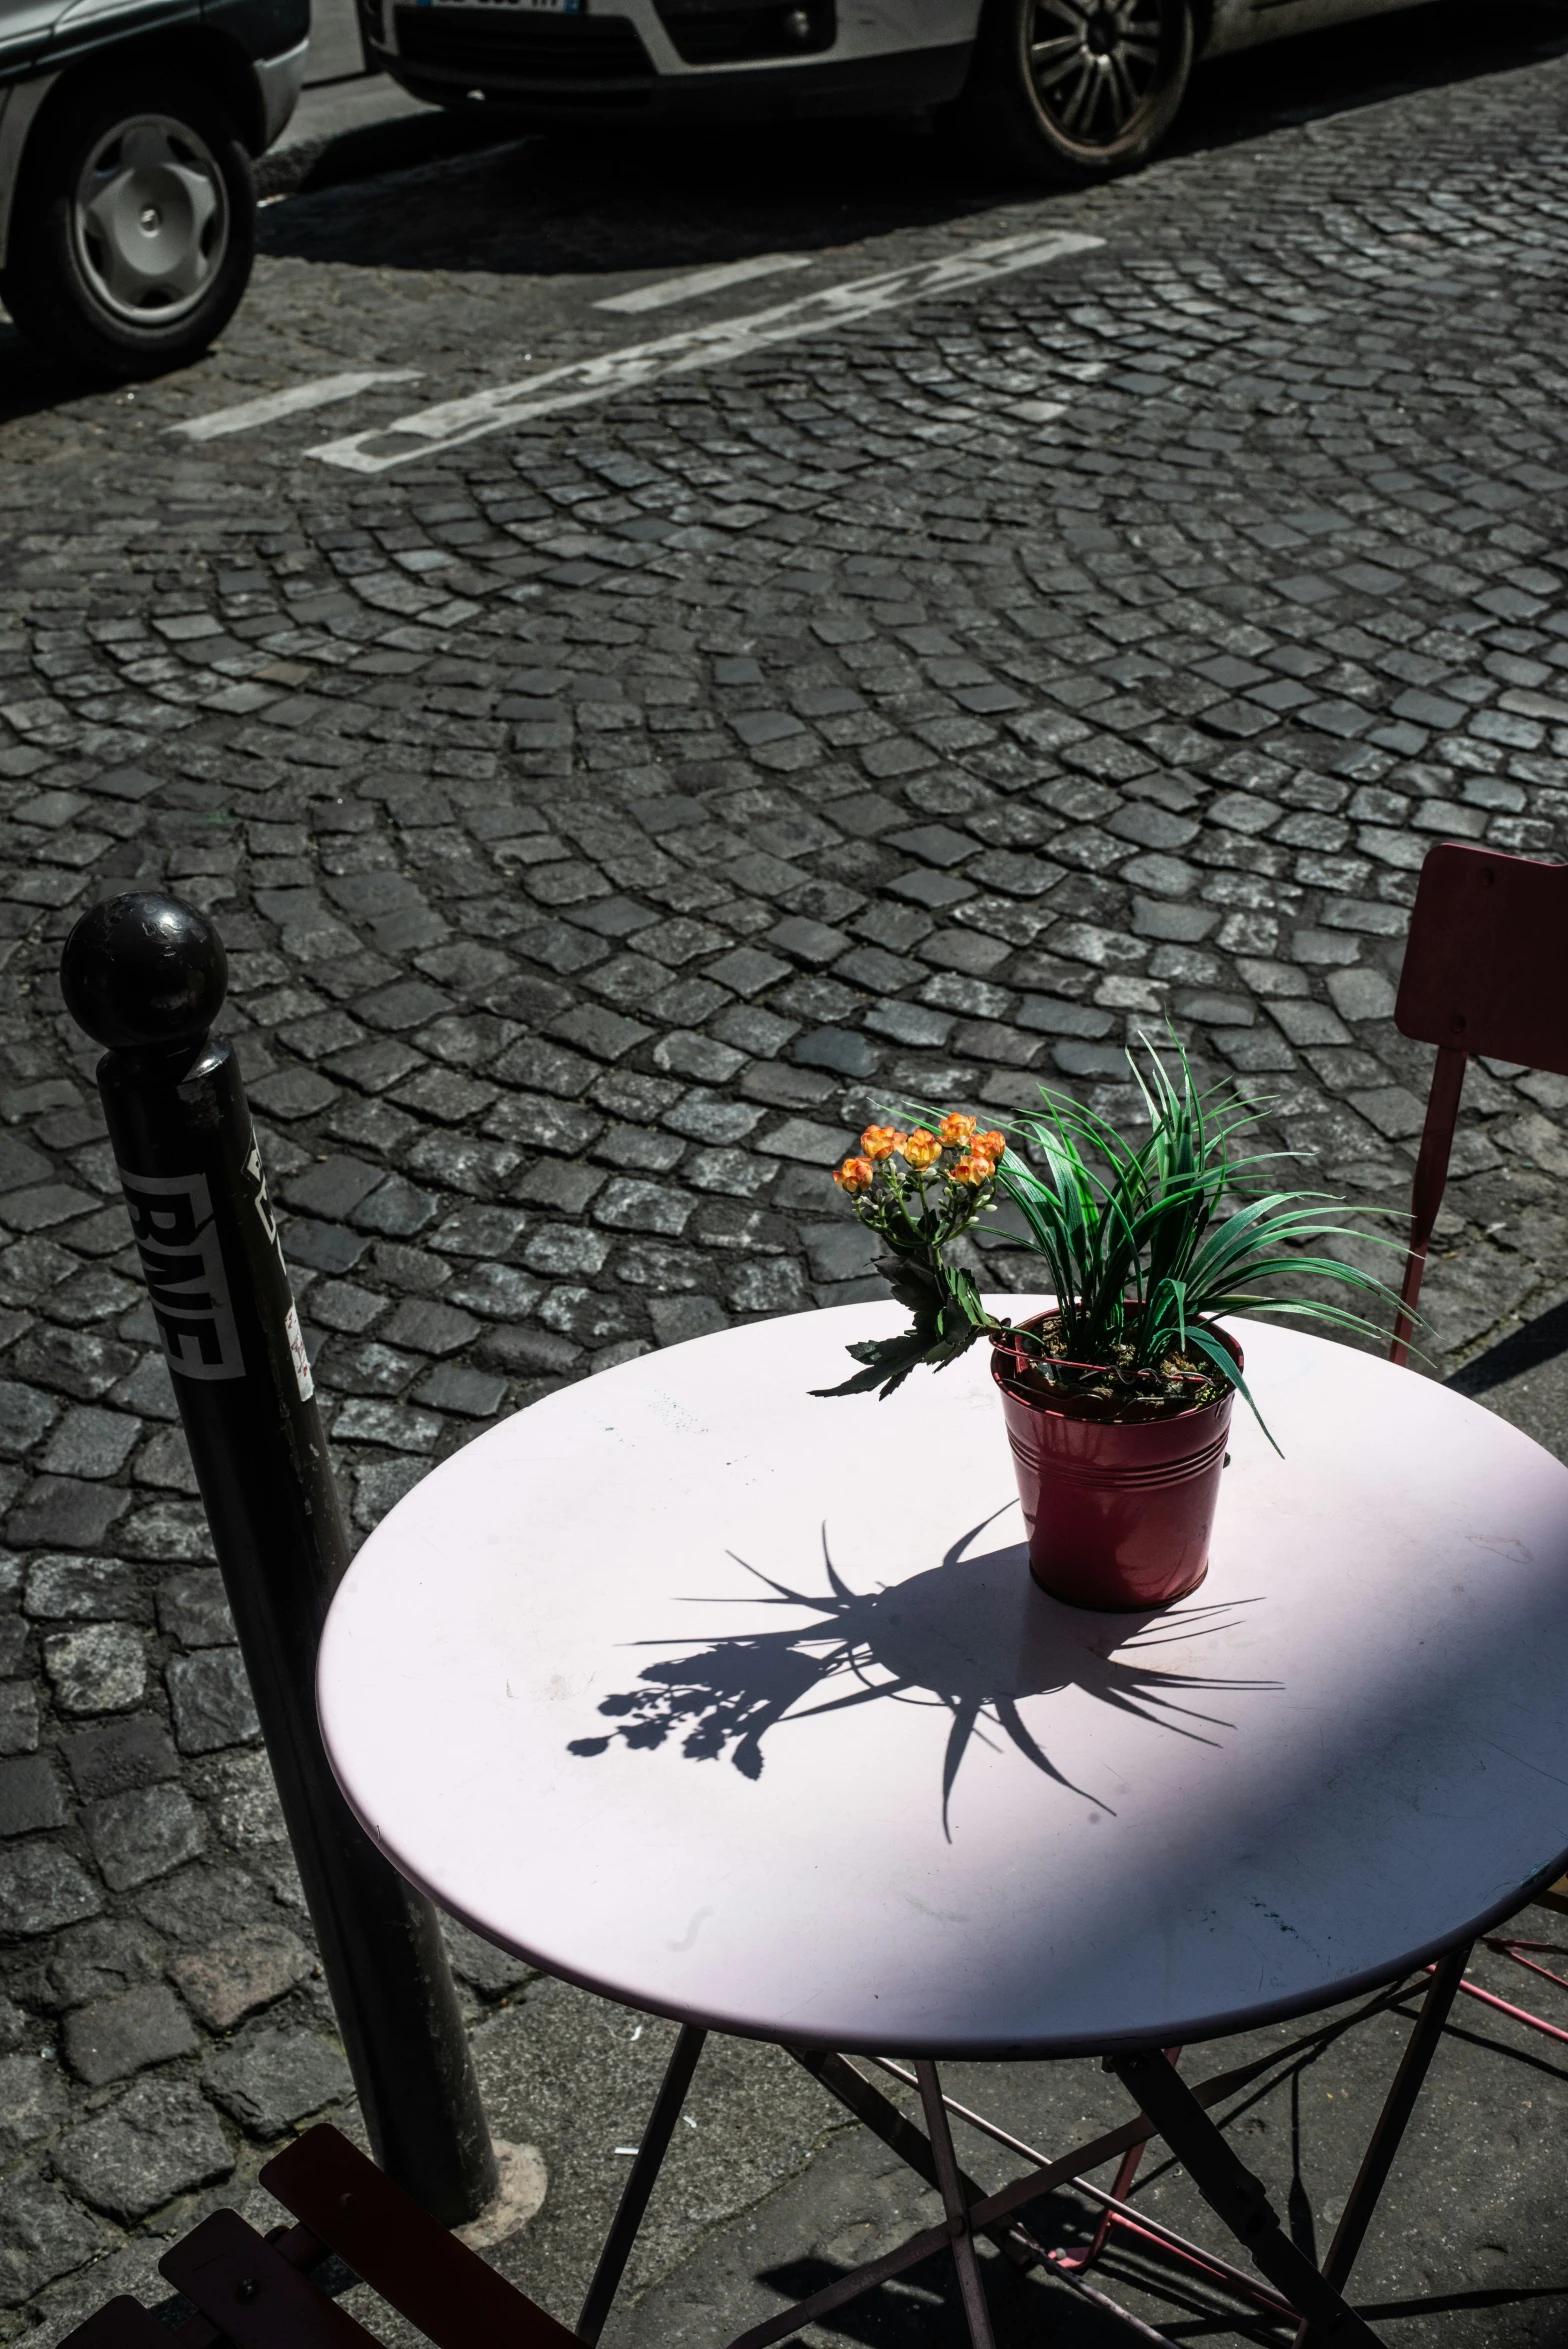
[254, 2291]
[1485, 971]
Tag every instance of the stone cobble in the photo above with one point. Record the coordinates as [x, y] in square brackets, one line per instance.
[605, 818]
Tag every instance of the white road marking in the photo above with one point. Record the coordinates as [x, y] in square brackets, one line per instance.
[271, 405]
[696, 282]
[581, 382]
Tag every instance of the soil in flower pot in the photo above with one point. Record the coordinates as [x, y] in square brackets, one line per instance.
[1118, 1484]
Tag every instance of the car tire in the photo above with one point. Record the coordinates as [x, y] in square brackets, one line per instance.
[1076, 90]
[134, 229]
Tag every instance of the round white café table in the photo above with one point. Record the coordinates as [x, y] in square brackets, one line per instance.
[739, 1704]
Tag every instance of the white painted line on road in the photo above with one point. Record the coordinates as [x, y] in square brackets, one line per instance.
[697, 282]
[582, 382]
[272, 405]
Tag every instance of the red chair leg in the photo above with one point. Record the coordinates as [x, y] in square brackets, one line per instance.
[1426, 1197]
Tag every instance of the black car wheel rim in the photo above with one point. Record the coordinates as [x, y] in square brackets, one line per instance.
[1096, 65]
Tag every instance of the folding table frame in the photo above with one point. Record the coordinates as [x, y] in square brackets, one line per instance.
[1287, 2287]
[249, 2291]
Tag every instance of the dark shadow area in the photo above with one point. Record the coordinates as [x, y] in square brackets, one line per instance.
[606, 201]
[1527, 1348]
[972, 1636]
[921, 2308]
[1191, 2308]
[1117, 2269]
[611, 199]
[1441, 2303]
[1354, 65]
[29, 383]
[407, 143]
[1183, 2314]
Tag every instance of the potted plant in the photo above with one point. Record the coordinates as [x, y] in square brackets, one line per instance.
[1117, 1399]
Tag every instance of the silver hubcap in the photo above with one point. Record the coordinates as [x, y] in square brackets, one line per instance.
[1094, 64]
[150, 220]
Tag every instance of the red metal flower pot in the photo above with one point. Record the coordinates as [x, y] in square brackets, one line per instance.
[1118, 1511]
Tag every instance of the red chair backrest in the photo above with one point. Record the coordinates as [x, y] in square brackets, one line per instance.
[1486, 966]
[254, 2292]
[428, 2276]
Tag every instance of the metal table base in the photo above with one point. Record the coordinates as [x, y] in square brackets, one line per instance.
[1283, 2282]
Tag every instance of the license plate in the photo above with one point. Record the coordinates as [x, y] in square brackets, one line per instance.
[516, 7]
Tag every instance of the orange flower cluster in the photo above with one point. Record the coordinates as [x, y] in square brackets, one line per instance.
[978, 1159]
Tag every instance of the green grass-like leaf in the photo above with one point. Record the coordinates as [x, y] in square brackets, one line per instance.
[1132, 1237]
[1143, 1244]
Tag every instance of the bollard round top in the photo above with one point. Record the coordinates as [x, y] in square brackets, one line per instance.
[144, 973]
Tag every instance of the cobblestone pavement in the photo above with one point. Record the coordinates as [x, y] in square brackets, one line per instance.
[605, 815]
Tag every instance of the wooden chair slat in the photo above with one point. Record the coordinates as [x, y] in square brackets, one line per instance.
[122, 2323]
[441, 2286]
[251, 2293]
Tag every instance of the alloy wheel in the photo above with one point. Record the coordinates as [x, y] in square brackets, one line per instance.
[150, 220]
[1095, 65]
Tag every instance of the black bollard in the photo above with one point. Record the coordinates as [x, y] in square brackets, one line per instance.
[146, 976]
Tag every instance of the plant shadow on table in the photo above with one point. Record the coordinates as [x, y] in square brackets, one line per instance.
[972, 1635]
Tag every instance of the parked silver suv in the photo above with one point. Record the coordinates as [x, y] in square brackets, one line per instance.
[127, 128]
[1069, 89]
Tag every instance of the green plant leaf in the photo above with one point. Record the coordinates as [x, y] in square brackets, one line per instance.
[1204, 1342]
[1142, 1243]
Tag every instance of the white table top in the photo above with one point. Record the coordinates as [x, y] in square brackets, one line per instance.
[567, 1687]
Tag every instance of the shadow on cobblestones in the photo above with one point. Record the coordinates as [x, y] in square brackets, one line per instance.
[29, 384]
[621, 202]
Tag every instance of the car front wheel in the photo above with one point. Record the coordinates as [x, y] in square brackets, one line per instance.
[1078, 89]
[135, 228]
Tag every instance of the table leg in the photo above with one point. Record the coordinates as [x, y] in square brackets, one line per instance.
[1231, 2190]
[1114, 2207]
[1378, 2159]
[639, 2185]
[1010, 2237]
[956, 2205]
[1073, 2262]
[1005, 2207]
[883, 2118]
